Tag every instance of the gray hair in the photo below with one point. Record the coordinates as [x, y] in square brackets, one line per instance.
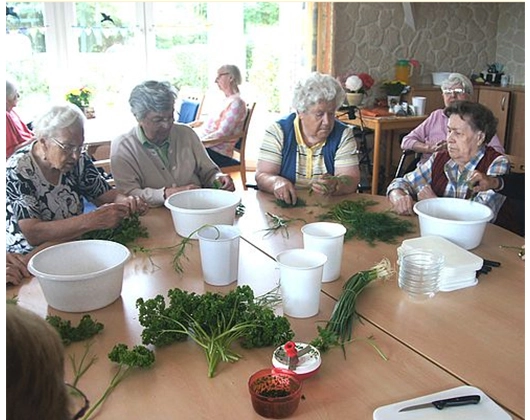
[57, 118]
[11, 90]
[458, 79]
[152, 96]
[234, 72]
[317, 87]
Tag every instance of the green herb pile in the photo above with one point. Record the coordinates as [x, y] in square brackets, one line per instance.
[279, 223]
[339, 328]
[87, 328]
[125, 233]
[213, 321]
[368, 225]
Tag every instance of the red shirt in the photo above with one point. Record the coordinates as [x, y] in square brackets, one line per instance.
[16, 132]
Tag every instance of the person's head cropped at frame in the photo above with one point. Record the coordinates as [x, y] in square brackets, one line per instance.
[35, 370]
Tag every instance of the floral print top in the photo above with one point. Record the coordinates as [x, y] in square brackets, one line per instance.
[30, 196]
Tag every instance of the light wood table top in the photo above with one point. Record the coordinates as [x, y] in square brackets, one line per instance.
[476, 334]
[177, 385]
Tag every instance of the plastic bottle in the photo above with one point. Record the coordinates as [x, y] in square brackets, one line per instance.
[403, 71]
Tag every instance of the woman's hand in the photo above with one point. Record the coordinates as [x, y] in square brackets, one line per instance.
[325, 185]
[108, 216]
[135, 204]
[16, 268]
[401, 203]
[226, 181]
[284, 190]
[172, 190]
[479, 181]
[426, 192]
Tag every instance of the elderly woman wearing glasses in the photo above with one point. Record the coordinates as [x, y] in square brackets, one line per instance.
[429, 136]
[157, 157]
[47, 180]
[310, 148]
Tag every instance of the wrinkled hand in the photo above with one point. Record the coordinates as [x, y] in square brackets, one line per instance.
[426, 192]
[16, 268]
[135, 204]
[401, 203]
[479, 181]
[227, 183]
[441, 145]
[109, 216]
[284, 190]
[325, 185]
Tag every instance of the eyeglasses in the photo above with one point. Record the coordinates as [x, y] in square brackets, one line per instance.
[78, 393]
[161, 120]
[458, 91]
[221, 74]
[68, 148]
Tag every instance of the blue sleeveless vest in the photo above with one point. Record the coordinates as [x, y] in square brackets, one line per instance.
[289, 155]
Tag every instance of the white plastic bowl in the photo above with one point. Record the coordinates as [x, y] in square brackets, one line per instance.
[195, 208]
[80, 276]
[440, 77]
[463, 222]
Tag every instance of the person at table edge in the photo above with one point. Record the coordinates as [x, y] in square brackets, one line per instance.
[158, 158]
[430, 135]
[17, 132]
[447, 172]
[310, 148]
[47, 180]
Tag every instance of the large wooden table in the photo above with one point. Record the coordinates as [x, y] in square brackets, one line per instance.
[383, 128]
[476, 334]
[427, 349]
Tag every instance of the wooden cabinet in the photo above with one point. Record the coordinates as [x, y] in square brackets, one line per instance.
[432, 93]
[499, 102]
[515, 140]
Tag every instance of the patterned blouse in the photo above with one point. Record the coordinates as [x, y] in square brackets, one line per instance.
[30, 196]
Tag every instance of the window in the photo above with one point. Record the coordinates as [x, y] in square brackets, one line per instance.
[111, 46]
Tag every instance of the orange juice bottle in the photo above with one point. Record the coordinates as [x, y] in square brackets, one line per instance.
[403, 71]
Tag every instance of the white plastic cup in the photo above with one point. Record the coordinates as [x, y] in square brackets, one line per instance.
[300, 281]
[420, 272]
[418, 102]
[219, 249]
[328, 238]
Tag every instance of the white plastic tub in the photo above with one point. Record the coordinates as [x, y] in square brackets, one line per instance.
[194, 208]
[463, 222]
[439, 77]
[80, 276]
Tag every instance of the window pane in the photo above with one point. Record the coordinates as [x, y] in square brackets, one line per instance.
[25, 55]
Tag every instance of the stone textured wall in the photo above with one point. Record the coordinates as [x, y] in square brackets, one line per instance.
[461, 37]
[510, 40]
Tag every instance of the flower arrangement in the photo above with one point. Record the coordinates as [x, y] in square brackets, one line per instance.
[356, 83]
[395, 87]
[80, 97]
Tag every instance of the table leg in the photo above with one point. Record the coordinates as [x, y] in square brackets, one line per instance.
[377, 152]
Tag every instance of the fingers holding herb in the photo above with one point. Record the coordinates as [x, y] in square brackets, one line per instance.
[128, 230]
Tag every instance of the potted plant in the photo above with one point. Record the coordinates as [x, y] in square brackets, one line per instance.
[81, 97]
[356, 86]
[394, 89]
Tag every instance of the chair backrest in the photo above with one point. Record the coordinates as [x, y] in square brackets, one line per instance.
[191, 101]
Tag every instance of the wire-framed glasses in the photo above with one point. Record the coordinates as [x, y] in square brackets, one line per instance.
[457, 91]
[68, 148]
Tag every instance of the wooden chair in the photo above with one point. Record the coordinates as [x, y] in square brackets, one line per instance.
[100, 155]
[239, 159]
[516, 163]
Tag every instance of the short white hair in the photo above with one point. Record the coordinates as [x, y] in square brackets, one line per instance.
[57, 118]
[458, 79]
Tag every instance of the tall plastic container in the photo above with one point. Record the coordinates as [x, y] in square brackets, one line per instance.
[404, 70]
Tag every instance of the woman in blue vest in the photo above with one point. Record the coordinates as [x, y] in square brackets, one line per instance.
[310, 149]
[447, 173]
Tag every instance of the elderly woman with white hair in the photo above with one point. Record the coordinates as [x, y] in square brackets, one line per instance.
[229, 120]
[17, 132]
[430, 136]
[47, 180]
[310, 149]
